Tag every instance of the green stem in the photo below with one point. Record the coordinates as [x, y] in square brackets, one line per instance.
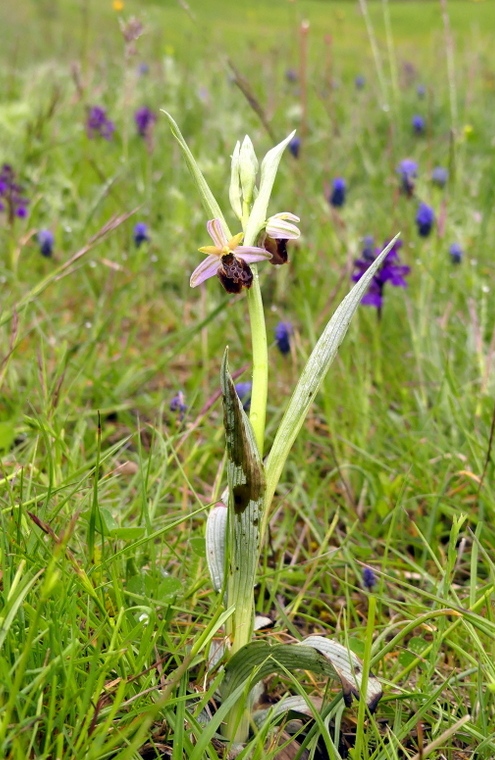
[259, 394]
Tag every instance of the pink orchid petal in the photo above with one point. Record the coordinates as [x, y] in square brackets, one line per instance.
[215, 231]
[279, 226]
[251, 255]
[288, 232]
[287, 215]
[208, 268]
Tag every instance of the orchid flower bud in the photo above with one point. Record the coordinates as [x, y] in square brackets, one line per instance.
[235, 191]
[248, 170]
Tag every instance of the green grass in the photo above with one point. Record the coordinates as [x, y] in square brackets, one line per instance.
[107, 607]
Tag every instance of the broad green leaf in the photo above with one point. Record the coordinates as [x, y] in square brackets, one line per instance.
[259, 659]
[288, 704]
[216, 527]
[312, 377]
[197, 544]
[7, 434]
[246, 482]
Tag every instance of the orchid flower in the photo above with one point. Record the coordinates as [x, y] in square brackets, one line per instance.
[279, 229]
[228, 260]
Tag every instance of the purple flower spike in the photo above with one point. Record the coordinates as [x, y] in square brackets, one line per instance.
[359, 82]
[144, 119]
[425, 219]
[295, 146]
[337, 195]
[408, 171]
[178, 404]
[12, 199]
[228, 260]
[140, 234]
[98, 124]
[421, 90]
[418, 125]
[243, 390]
[283, 333]
[439, 176]
[392, 271]
[369, 578]
[45, 241]
[456, 253]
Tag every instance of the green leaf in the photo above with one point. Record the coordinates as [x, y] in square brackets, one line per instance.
[216, 529]
[207, 197]
[198, 546]
[246, 480]
[312, 377]
[259, 659]
[7, 434]
[128, 534]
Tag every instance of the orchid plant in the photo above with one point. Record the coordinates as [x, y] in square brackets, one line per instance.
[236, 526]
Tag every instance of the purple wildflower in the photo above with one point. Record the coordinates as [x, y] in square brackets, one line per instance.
[45, 241]
[439, 176]
[408, 170]
[425, 219]
[369, 578]
[456, 253]
[295, 146]
[98, 124]
[359, 82]
[283, 332]
[421, 90]
[368, 253]
[392, 270]
[291, 75]
[178, 404]
[337, 195]
[12, 199]
[140, 234]
[418, 124]
[144, 118]
[243, 390]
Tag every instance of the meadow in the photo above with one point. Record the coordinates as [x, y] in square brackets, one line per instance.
[381, 532]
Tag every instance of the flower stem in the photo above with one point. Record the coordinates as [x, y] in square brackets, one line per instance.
[259, 395]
